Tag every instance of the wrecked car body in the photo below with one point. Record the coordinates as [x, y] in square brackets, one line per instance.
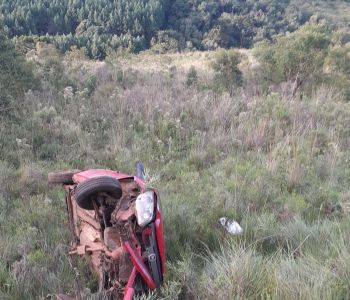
[117, 224]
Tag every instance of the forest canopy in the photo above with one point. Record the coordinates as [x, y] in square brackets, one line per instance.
[164, 25]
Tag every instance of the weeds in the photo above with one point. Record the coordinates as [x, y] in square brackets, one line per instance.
[275, 163]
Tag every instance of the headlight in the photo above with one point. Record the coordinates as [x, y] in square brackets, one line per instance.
[145, 208]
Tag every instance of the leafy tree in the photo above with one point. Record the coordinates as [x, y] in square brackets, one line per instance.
[295, 57]
[166, 41]
[227, 75]
[337, 68]
[231, 31]
[191, 77]
[16, 75]
[338, 60]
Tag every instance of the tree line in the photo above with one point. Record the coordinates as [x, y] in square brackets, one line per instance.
[164, 25]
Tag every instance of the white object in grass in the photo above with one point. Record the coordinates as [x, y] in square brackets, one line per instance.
[231, 226]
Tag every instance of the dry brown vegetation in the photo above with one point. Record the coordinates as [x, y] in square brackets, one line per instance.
[275, 162]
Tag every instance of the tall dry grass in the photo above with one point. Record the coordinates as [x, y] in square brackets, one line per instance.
[276, 164]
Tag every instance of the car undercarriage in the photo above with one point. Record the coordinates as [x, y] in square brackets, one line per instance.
[117, 224]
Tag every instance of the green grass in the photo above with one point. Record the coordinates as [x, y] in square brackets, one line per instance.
[278, 165]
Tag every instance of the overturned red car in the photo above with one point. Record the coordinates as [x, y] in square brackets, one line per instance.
[117, 224]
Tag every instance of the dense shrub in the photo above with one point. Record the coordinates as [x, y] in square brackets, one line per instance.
[296, 57]
[16, 75]
[227, 75]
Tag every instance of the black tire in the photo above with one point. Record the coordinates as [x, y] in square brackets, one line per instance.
[90, 187]
[62, 177]
[140, 170]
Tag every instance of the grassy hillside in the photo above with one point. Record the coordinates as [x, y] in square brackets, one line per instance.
[273, 157]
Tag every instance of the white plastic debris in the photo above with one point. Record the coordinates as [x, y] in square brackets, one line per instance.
[68, 92]
[231, 226]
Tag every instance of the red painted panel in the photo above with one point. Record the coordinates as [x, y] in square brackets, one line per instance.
[81, 176]
[160, 236]
[140, 266]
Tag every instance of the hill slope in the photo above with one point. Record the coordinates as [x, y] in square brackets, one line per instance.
[249, 149]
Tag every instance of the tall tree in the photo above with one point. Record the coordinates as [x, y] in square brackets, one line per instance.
[16, 75]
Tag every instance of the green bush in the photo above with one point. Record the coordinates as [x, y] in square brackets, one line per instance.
[191, 77]
[227, 75]
[296, 57]
[16, 76]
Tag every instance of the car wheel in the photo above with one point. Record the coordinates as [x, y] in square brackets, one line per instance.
[90, 187]
[62, 177]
